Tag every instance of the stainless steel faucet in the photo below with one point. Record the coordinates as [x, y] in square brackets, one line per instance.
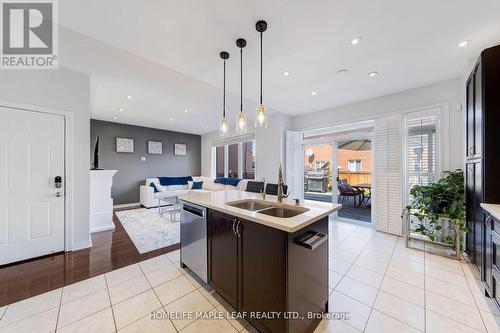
[280, 186]
[263, 191]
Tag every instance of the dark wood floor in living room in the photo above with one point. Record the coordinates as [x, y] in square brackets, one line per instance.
[110, 250]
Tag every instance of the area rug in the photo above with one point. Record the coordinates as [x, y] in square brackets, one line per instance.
[148, 229]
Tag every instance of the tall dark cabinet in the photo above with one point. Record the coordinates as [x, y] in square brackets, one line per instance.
[482, 169]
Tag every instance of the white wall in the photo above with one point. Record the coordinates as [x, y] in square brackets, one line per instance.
[450, 92]
[270, 147]
[66, 90]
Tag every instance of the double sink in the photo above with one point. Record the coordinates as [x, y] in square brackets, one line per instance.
[267, 208]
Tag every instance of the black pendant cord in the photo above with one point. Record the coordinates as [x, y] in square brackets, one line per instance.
[241, 80]
[261, 68]
[224, 93]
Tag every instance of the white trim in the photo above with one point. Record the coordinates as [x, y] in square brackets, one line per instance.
[69, 244]
[82, 245]
[104, 228]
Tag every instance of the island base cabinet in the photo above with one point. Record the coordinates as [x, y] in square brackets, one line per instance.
[276, 275]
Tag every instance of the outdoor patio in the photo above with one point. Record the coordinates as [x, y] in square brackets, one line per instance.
[348, 211]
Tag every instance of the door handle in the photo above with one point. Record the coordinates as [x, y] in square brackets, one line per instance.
[238, 229]
[234, 222]
[59, 194]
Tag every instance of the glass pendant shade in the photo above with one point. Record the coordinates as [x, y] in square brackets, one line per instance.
[241, 124]
[261, 117]
[224, 129]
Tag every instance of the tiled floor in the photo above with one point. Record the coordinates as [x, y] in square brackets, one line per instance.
[384, 286]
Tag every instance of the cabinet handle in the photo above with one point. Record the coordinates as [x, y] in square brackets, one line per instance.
[238, 229]
[234, 222]
[471, 151]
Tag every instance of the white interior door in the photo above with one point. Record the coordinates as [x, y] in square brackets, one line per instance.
[31, 207]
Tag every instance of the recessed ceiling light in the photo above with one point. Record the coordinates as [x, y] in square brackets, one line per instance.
[356, 40]
[286, 73]
[115, 118]
[314, 93]
[342, 71]
[121, 109]
[171, 119]
[129, 97]
[186, 111]
[464, 43]
[373, 74]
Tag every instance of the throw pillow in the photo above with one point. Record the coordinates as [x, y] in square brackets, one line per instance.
[197, 185]
[154, 187]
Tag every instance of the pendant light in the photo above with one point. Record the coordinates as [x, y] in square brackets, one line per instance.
[241, 123]
[224, 130]
[260, 116]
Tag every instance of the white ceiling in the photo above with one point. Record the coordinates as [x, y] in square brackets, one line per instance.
[165, 53]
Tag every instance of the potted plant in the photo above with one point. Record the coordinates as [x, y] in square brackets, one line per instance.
[436, 203]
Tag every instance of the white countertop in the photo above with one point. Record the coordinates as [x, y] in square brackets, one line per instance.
[217, 201]
[493, 209]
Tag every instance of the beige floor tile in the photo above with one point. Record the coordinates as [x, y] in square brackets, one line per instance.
[83, 307]
[436, 323]
[163, 275]
[485, 303]
[334, 279]
[174, 256]
[174, 289]
[249, 329]
[365, 276]
[404, 311]
[412, 278]
[212, 296]
[339, 266]
[191, 303]
[403, 290]
[380, 250]
[230, 314]
[381, 323]
[443, 263]
[343, 255]
[375, 254]
[155, 263]
[449, 290]
[122, 291]
[123, 274]
[100, 322]
[357, 290]
[465, 314]
[475, 285]
[447, 276]
[359, 312]
[135, 308]
[149, 325]
[44, 322]
[372, 265]
[195, 280]
[31, 306]
[334, 326]
[491, 321]
[410, 254]
[358, 244]
[83, 288]
[470, 270]
[409, 265]
[2, 311]
[210, 326]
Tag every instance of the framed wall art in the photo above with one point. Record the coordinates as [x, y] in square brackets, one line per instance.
[155, 147]
[180, 149]
[124, 145]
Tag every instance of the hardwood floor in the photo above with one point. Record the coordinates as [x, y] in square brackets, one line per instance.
[110, 250]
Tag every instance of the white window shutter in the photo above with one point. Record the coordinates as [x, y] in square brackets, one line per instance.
[295, 164]
[387, 175]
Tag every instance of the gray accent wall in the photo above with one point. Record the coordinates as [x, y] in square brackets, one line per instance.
[132, 172]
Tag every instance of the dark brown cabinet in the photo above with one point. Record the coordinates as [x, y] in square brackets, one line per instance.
[223, 273]
[262, 270]
[483, 158]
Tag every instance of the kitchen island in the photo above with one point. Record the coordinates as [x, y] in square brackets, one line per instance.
[269, 260]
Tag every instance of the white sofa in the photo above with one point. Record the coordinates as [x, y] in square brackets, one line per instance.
[150, 199]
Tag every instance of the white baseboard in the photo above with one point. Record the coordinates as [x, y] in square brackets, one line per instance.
[127, 205]
[104, 228]
[82, 245]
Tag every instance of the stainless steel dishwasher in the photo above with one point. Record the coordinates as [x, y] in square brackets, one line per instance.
[194, 239]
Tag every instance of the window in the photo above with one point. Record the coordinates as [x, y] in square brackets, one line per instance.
[354, 165]
[235, 160]
[422, 149]
[248, 162]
